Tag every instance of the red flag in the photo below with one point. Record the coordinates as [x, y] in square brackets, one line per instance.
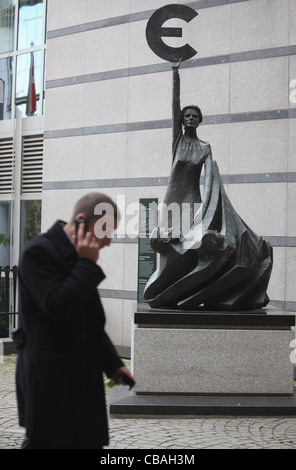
[31, 97]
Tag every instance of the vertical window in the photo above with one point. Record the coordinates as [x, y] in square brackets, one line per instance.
[30, 23]
[5, 87]
[44, 81]
[30, 220]
[6, 25]
[5, 207]
[4, 233]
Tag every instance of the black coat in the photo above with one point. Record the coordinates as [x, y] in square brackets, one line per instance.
[60, 389]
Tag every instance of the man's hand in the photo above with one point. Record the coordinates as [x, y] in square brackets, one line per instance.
[86, 246]
[119, 375]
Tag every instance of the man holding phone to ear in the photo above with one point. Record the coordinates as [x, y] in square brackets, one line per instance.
[62, 345]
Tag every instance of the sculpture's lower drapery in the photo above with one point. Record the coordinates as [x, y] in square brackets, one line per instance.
[226, 266]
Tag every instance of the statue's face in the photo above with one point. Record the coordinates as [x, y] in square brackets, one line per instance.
[191, 118]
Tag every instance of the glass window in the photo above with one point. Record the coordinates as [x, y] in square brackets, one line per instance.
[5, 87]
[30, 221]
[4, 305]
[44, 82]
[28, 78]
[30, 27]
[7, 8]
[22, 75]
[4, 233]
[5, 207]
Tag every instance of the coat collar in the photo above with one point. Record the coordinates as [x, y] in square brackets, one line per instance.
[60, 239]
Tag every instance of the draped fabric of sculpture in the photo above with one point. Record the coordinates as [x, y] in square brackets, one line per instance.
[220, 264]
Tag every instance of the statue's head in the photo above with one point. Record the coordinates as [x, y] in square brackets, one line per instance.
[191, 116]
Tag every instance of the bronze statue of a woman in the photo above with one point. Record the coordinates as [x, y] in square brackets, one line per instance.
[209, 258]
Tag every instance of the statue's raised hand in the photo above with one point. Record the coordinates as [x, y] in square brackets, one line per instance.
[176, 65]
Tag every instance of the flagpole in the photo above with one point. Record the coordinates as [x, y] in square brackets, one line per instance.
[31, 97]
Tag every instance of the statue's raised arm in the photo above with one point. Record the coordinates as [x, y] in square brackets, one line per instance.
[209, 258]
[176, 106]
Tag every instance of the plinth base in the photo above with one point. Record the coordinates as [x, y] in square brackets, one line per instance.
[133, 406]
[210, 363]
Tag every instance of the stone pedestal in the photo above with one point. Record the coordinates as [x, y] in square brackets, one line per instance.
[211, 362]
[213, 353]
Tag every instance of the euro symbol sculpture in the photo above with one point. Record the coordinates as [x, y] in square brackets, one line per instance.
[155, 32]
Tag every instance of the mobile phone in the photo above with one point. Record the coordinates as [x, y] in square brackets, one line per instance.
[77, 224]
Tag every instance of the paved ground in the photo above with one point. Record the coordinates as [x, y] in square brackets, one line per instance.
[145, 433]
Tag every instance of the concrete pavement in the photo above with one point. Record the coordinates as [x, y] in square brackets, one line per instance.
[219, 432]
